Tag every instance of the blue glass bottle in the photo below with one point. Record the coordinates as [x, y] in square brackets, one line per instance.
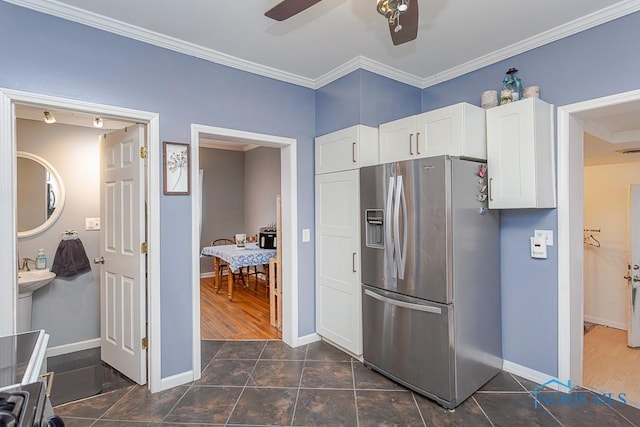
[512, 83]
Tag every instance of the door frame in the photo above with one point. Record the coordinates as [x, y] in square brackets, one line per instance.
[8, 231]
[570, 224]
[289, 191]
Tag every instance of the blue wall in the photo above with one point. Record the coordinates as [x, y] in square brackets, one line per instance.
[43, 54]
[363, 97]
[601, 61]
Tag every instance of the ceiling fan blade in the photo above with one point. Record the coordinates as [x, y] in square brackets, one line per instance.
[287, 8]
[409, 22]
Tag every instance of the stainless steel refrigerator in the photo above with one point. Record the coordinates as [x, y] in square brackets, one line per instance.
[431, 276]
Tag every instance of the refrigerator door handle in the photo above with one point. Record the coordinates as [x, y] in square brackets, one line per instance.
[400, 254]
[388, 248]
[419, 307]
[403, 256]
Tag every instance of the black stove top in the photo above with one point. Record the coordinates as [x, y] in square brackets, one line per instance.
[23, 405]
[11, 406]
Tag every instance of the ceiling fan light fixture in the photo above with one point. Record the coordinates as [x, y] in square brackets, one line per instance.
[48, 117]
[391, 9]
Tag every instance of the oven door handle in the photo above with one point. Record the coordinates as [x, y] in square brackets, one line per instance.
[49, 377]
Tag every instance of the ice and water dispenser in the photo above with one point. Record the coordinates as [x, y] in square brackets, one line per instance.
[375, 228]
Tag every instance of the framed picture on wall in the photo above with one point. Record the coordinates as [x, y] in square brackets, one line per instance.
[177, 179]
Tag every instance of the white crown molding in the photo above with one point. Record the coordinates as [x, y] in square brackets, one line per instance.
[362, 62]
[594, 19]
[623, 137]
[61, 10]
[114, 26]
[229, 146]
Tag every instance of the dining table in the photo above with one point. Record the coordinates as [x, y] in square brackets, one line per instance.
[237, 258]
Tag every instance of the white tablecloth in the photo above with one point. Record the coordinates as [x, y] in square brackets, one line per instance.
[250, 255]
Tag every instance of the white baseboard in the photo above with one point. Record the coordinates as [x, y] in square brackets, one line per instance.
[307, 339]
[73, 347]
[529, 374]
[176, 380]
[605, 322]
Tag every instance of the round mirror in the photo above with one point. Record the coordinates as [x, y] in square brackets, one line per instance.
[40, 197]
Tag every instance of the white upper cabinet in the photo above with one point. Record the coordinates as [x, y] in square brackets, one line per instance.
[398, 140]
[457, 130]
[520, 155]
[347, 149]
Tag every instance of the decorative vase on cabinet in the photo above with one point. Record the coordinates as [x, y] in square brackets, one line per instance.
[520, 155]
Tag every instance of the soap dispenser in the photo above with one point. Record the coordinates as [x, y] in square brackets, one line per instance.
[41, 260]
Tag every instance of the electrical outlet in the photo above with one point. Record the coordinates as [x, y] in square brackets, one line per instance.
[547, 235]
[306, 235]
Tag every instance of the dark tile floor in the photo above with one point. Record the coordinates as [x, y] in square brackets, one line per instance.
[268, 383]
[82, 374]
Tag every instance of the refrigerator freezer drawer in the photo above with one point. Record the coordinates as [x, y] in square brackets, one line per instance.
[410, 340]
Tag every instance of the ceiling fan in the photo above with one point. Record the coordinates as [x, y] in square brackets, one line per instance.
[402, 15]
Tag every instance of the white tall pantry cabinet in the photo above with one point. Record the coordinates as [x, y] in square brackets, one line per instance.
[520, 154]
[339, 156]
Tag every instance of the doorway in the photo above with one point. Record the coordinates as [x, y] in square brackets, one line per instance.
[610, 175]
[239, 185]
[288, 167]
[597, 117]
[9, 100]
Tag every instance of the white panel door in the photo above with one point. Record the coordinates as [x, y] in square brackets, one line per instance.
[398, 140]
[122, 277]
[511, 156]
[338, 297]
[337, 151]
[633, 332]
[441, 131]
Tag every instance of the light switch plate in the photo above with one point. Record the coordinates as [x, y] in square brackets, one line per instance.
[92, 224]
[306, 235]
[547, 235]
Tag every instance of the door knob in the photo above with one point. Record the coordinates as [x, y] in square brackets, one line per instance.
[627, 277]
[636, 279]
[98, 260]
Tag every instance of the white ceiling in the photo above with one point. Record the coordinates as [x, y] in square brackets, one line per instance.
[334, 37]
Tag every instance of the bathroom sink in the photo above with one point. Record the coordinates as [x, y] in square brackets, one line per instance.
[29, 281]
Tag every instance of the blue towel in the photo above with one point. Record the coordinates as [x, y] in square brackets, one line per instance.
[70, 259]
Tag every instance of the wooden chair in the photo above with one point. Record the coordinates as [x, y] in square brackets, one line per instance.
[265, 271]
[223, 264]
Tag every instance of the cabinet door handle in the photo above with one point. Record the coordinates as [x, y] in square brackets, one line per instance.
[353, 262]
[418, 142]
[411, 144]
[490, 185]
[353, 152]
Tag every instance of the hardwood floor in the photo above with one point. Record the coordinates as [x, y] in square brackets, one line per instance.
[609, 365]
[246, 317]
